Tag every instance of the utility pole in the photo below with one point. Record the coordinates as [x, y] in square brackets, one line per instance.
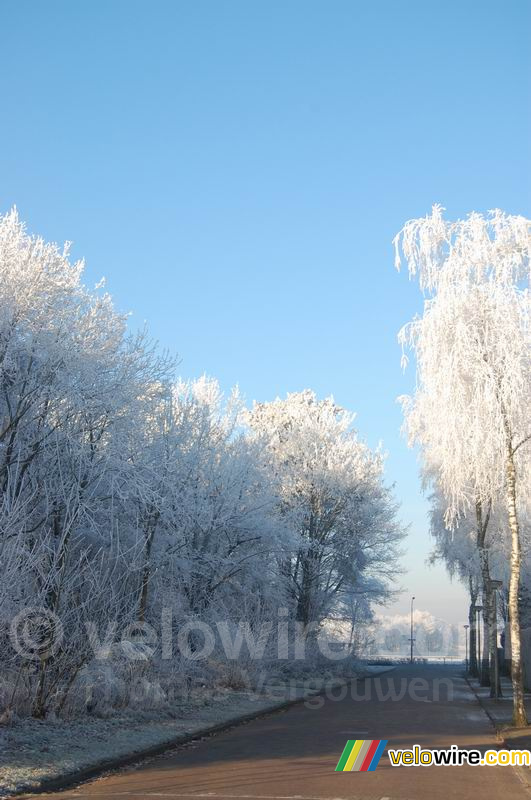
[466, 627]
[411, 638]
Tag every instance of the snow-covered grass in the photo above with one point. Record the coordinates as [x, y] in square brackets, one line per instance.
[33, 752]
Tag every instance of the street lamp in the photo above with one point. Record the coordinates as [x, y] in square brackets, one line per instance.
[411, 639]
[478, 610]
[466, 627]
[494, 586]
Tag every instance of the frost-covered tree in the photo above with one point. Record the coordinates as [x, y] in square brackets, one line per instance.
[332, 496]
[132, 504]
[433, 637]
[72, 382]
[472, 345]
[472, 553]
[227, 523]
[458, 551]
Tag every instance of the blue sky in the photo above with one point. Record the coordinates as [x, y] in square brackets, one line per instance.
[237, 171]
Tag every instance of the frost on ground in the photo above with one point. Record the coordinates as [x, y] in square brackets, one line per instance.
[33, 751]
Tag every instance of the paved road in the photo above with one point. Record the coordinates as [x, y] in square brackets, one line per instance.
[292, 755]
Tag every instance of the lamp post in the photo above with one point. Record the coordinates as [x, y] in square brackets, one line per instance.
[466, 627]
[478, 610]
[494, 586]
[411, 639]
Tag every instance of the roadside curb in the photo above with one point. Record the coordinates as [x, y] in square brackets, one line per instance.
[498, 726]
[120, 762]
[483, 706]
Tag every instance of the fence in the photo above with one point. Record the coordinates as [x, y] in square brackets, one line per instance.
[418, 659]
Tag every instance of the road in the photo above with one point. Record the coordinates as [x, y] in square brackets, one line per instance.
[292, 755]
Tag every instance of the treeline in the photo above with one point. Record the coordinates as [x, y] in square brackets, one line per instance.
[134, 507]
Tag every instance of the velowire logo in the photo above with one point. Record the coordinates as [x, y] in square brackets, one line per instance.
[361, 755]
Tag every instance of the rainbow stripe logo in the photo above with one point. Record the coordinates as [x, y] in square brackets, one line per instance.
[361, 755]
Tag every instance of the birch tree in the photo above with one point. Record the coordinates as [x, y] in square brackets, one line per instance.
[472, 345]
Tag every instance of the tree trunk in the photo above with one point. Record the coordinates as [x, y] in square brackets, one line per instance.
[487, 666]
[486, 679]
[519, 713]
[149, 535]
[38, 709]
[142, 606]
[473, 663]
[495, 689]
[306, 595]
